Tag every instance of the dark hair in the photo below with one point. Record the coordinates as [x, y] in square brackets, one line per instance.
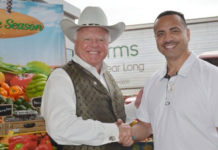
[171, 12]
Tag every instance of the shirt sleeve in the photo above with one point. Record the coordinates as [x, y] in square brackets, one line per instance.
[59, 111]
[130, 110]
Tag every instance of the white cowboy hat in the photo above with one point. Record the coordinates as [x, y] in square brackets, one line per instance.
[92, 16]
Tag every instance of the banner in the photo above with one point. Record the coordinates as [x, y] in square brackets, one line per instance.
[31, 44]
[31, 32]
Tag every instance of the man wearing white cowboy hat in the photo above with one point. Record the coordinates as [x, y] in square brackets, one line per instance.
[81, 102]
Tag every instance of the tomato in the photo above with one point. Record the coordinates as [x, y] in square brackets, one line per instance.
[21, 80]
[8, 77]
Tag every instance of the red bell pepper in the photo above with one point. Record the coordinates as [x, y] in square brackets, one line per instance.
[44, 147]
[45, 140]
[23, 142]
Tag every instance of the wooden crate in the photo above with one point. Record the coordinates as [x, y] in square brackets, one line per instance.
[23, 126]
[2, 129]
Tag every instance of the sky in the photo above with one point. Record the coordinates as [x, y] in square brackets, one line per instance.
[143, 11]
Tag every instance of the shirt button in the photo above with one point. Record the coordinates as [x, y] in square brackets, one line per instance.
[167, 103]
[171, 89]
[112, 138]
[95, 83]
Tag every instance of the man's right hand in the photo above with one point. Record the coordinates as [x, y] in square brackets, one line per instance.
[125, 133]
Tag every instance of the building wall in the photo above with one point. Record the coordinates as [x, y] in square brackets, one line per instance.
[134, 57]
[204, 37]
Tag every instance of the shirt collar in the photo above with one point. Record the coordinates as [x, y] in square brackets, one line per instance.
[88, 67]
[184, 70]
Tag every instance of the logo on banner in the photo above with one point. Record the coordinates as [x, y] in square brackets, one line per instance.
[16, 24]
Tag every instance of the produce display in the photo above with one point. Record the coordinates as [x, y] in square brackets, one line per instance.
[36, 86]
[19, 84]
[34, 141]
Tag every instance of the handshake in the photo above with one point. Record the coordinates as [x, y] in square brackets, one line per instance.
[125, 133]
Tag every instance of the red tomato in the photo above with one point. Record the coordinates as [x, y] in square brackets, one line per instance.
[21, 80]
[8, 77]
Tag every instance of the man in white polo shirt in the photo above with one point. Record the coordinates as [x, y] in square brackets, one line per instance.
[180, 102]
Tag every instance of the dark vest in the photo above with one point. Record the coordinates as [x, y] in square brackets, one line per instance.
[93, 101]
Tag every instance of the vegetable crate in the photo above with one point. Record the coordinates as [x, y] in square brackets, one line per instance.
[22, 126]
[2, 129]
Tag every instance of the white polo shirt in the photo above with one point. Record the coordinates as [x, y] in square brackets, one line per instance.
[183, 110]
